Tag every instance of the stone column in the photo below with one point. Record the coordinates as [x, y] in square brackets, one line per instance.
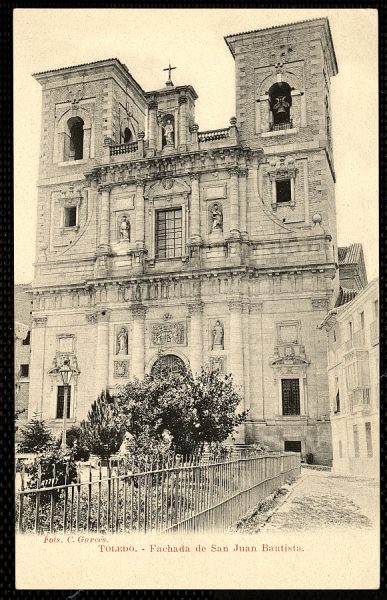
[256, 362]
[194, 137]
[37, 369]
[234, 203]
[235, 355]
[138, 341]
[101, 375]
[195, 208]
[104, 218]
[243, 202]
[246, 354]
[140, 215]
[183, 124]
[196, 359]
[273, 191]
[236, 342]
[152, 129]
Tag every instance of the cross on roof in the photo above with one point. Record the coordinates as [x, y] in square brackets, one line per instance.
[169, 69]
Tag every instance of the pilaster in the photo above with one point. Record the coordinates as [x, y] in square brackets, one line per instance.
[138, 340]
[101, 375]
[196, 313]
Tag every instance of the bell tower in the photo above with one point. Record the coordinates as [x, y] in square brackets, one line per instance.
[283, 106]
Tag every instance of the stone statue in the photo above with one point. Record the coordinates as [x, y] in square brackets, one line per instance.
[137, 293]
[122, 341]
[124, 229]
[217, 336]
[217, 218]
[168, 132]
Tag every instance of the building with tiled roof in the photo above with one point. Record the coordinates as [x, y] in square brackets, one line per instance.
[352, 270]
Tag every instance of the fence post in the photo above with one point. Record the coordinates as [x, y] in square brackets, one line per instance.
[37, 500]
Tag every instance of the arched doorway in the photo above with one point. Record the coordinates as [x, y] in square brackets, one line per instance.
[167, 365]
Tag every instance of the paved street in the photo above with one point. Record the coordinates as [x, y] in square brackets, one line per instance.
[321, 500]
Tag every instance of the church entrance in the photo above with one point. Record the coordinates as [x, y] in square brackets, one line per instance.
[166, 365]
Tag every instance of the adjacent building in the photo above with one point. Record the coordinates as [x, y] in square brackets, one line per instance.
[214, 248]
[353, 377]
[23, 319]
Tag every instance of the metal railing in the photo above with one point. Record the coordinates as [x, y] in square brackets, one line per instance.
[281, 126]
[129, 148]
[176, 496]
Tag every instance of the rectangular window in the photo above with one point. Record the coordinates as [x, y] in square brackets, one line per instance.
[27, 340]
[350, 331]
[340, 449]
[290, 397]
[293, 446]
[24, 370]
[337, 402]
[284, 191]
[70, 216]
[356, 441]
[368, 439]
[60, 402]
[362, 320]
[169, 233]
[376, 309]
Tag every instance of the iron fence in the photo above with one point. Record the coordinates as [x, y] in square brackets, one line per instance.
[175, 495]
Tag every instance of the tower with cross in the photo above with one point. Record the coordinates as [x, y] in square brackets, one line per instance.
[169, 82]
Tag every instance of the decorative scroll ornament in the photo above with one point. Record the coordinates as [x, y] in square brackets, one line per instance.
[168, 184]
[289, 354]
[121, 368]
[164, 334]
[218, 363]
[58, 361]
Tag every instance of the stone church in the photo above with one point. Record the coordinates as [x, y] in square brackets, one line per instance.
[214, 248]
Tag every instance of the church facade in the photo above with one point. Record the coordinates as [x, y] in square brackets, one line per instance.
[208, 248]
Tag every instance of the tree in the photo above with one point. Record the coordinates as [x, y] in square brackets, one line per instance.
[75, 442]
[193, 409]
[18, 412]
[35, 437]
[103, 431]
[55, 465]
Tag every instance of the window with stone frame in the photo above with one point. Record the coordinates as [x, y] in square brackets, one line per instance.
[292, 445]
[368, 434]
[284, 191]
[70, 217]
[290, 397]
[356, 441]
[27, 339]
[127, 136]
[75, 149]
[24, 371]
[60, 401]
[169, 233]
[280, 102]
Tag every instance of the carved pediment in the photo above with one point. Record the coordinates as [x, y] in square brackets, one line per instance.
[168, 186]
[289, 354]
[57, 364]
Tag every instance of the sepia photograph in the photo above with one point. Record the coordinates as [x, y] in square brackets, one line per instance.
[196, 298]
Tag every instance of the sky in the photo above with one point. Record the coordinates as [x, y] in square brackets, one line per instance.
[192, 39]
